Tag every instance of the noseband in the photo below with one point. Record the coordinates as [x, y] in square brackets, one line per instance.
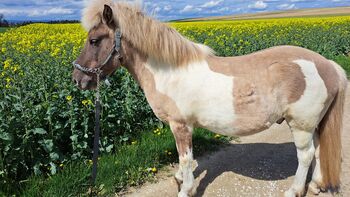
[115, 52]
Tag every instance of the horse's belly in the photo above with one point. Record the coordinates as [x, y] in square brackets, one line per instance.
[219, 119]
[246, 126]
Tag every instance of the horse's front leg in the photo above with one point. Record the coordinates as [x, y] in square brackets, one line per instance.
[184, 177]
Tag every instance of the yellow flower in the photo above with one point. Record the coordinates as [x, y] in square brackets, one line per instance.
[134, 142]
[217, 136]
[90, 162]
[69, 98]
[7, 63]
[8, 86]
[8, 79]
[55, 52]
[156, 130]
[61, 165]
[169, 153]
[86, 102]
[154, 169]
[15, 68]
[3, 50]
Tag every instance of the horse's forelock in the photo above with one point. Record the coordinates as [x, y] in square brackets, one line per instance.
[92, 14]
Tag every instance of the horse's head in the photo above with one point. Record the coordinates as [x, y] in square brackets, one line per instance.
[100, 53]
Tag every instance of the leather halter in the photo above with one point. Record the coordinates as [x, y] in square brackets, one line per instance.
[115, 52]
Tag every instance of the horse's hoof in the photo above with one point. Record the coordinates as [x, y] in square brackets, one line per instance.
[292, 193]
[289, 193]
[182, 194]
[314, 188]
[193, 192]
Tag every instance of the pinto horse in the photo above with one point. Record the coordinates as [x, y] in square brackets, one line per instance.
[188, 86]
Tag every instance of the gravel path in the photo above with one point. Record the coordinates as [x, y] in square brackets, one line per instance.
[259, 165]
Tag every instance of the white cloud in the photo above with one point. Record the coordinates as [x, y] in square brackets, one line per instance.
[157, 9]
[218, 11]
[211, 4]
[190, 8]
[36, 12]
[260, 5]
[286, 6]
[167, 8]
[224, 9]
[187, 8]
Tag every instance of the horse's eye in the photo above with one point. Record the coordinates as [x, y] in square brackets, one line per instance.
[94, 42]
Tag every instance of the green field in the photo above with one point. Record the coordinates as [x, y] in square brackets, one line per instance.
[3, 29]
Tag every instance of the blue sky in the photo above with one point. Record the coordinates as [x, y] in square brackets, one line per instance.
[161, 9]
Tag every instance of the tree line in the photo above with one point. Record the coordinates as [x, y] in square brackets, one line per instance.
[5, 23]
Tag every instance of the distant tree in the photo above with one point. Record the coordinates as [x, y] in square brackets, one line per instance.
[3, 22]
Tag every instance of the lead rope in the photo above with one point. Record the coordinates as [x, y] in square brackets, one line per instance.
[97, 134]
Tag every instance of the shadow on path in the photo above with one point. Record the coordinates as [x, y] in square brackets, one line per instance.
[260, 161]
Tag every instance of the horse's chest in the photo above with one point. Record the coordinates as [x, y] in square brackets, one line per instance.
[199, 95]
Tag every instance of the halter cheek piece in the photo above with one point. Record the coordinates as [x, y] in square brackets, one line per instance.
[115, 52]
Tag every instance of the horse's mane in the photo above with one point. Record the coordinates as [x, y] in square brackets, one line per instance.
[151, 37]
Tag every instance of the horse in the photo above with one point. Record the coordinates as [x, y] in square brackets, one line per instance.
[188, 86]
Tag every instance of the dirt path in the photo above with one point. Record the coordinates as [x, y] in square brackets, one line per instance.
[260, 165]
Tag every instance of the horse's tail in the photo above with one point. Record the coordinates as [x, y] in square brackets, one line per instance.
[330, 136]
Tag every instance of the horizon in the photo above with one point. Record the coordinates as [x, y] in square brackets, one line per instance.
[56, 10]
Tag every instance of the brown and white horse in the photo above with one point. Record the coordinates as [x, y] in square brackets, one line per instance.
[187, 86]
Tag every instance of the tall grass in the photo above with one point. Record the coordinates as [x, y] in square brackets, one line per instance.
[131, 165]
[344, 61]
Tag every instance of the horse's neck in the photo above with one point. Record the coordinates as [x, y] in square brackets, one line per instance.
[135, 61]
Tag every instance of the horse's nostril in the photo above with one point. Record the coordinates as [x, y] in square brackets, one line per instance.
[75, 82]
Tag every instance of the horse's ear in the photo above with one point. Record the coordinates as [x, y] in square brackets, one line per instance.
[108, 16]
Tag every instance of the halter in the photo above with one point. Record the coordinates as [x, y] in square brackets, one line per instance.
[114, 52]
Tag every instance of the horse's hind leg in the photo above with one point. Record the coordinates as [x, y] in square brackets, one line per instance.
[316, 182]
[305, 151]
[184, 176]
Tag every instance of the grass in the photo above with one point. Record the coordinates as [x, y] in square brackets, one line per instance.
[344, 61]
[132, 165]
[3, 29]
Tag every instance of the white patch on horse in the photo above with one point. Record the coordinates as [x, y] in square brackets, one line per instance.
[202, 96]
[305, 152]
[186, 167]
[316, 176]
[306, 111]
